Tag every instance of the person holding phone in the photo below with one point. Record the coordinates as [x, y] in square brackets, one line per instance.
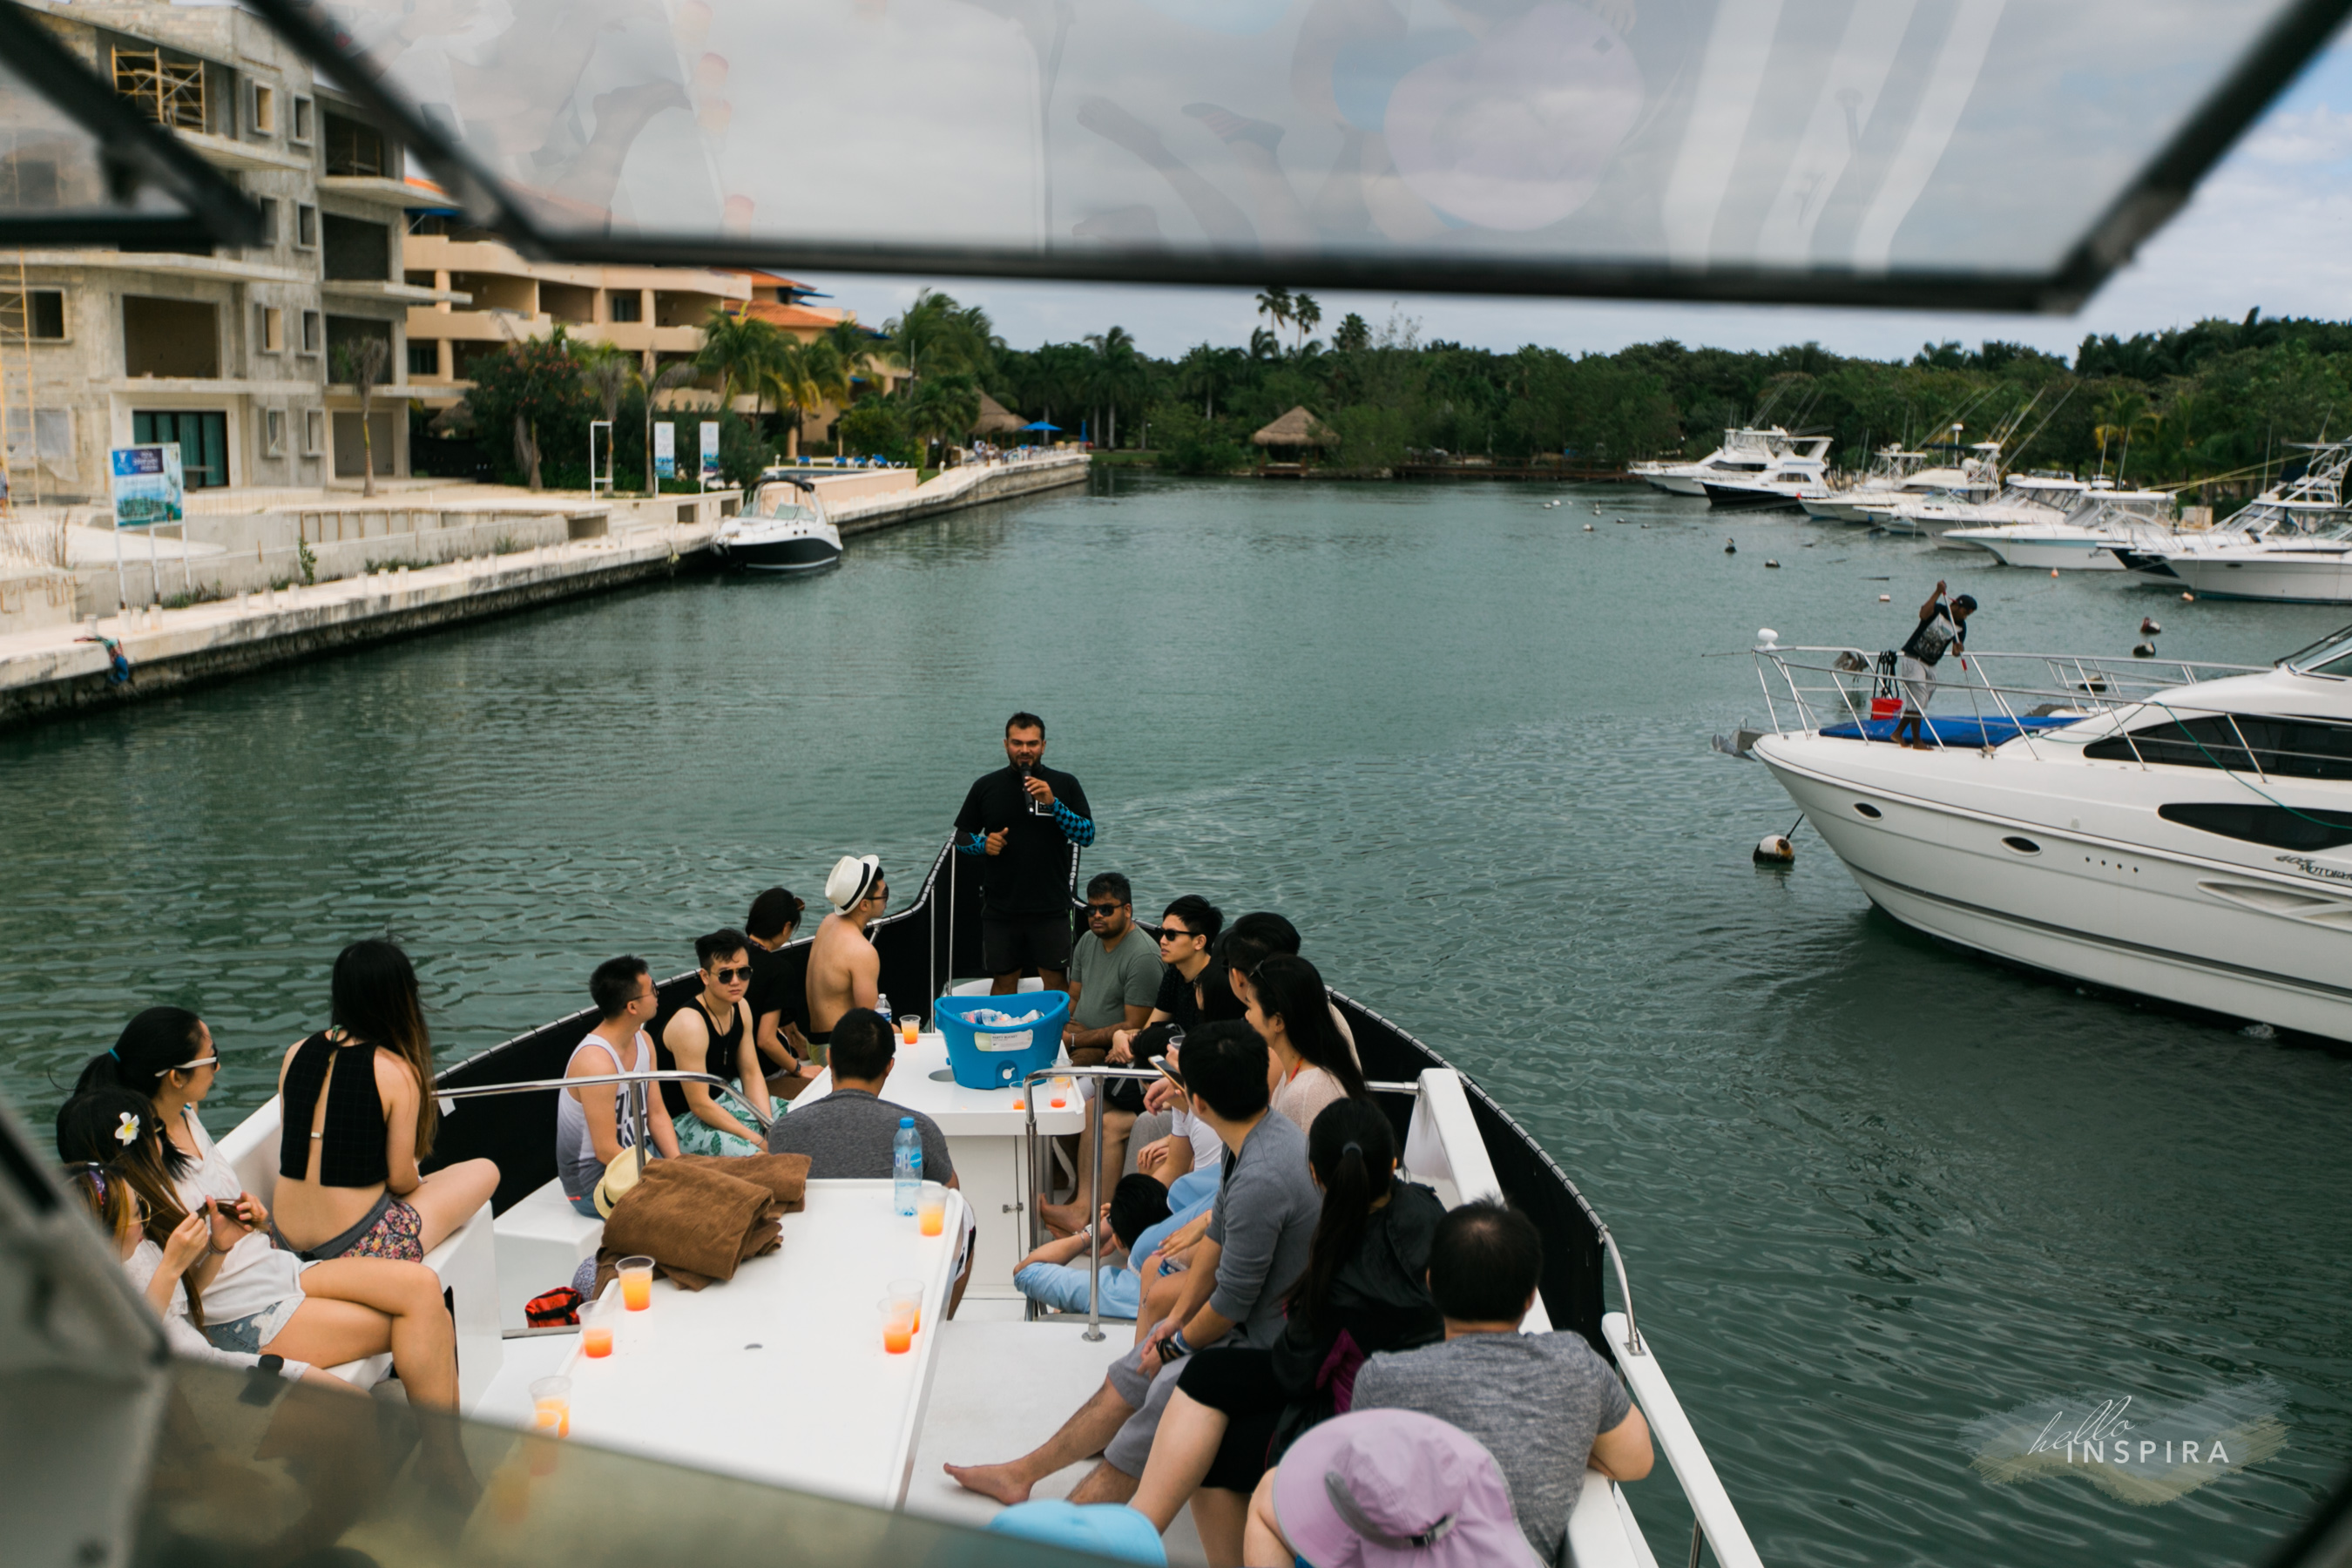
[1021, 823]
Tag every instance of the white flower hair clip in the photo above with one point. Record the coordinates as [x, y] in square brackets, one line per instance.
[127, 1132]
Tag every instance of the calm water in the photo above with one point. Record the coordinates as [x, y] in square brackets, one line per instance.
[1871, 1191]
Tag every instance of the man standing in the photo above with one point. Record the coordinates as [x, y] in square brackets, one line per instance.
[1938, 631]
[843, 971]
[779, 992]
[1019, 822]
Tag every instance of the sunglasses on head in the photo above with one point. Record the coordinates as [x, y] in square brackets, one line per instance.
[1104, 912]
[728, 976]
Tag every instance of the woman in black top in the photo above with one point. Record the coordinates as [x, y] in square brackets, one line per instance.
[1364, 1290]
[357, 1115]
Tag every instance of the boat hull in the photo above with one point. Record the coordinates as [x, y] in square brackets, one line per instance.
[802, 552]
[2109, 893]
[1675, 484]
[1743, 497]
[2079, 553]
[2292, 579]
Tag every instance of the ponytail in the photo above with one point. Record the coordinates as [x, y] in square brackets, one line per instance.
[1354, 1156]
[1290, 987]
[152, 1046]
[117, 1129]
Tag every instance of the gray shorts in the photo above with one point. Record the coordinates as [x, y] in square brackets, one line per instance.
[1918, 682]
[1150, 1128]
[1126, 1451]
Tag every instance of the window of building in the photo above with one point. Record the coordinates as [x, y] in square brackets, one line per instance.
[273, 432]
[2306, 828]
[174, 338]
[357, 250]
[270, 327]
[38, 315]
[417, 280]
[314, 432]
[269, 205]
[302, 120]
[168, 91]
[265, 110]
[354, 147]
[424, 356]
[306, 225]
[203, 436]
[625, 305]
[2248, 742]
[314, 331]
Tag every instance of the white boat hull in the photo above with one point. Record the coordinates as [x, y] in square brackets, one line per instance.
[2289, 578]
[2110, 893]
[2076, 553]
[1676, 484]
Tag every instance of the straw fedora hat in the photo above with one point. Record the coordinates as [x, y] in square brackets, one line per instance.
[618, 1178]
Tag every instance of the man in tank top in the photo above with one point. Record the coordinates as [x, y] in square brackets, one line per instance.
[593, 1122]
[712, 1033]
[1939, 629]
[844, 972]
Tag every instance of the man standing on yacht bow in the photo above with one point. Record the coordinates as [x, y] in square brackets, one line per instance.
[1021, 822]
[1941, 628]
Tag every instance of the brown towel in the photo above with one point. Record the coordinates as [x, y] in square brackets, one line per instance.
[784, 1175]
[696, 1222]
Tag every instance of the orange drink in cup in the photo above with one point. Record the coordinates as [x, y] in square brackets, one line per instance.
[897, 1324]
[910, 1291]
[931, 1209]
[551, 1407]
[598, 1341]
[637, 1283]
[910, 1029]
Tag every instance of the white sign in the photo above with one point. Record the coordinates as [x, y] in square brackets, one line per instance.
[709, 450]
[666, 451]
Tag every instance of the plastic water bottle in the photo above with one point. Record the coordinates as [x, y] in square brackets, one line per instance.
[882, 1004]
[906, 1168]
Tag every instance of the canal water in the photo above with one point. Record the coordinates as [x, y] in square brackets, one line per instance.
[1876, 1195]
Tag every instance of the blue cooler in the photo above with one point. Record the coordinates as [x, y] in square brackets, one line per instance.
[983, 1058]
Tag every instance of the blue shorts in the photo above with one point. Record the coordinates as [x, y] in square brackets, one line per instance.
[1063, 1286]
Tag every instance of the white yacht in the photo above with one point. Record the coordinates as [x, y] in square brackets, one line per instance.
[2024, 498]
[1801, 467]
[782, 528]
[2292, 544]
[2184, 832]
[1895, 474]
[1745, 453]
[2086, 538]
[765, 1413]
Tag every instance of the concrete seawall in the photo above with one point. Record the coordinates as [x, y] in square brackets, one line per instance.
[53, 671]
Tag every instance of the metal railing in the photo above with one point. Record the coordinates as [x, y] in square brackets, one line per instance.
[637, 1101]
[1822, 687]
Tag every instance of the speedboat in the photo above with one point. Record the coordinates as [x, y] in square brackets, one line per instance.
[767, 1407]
[2180, 831]
[782, 529]
[1895, 474]
[1786, 478]
[2025, 498]
[2086, 538]
[1745, 453]
[2290, 544]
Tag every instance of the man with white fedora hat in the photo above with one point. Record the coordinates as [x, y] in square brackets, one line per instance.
[844, 970]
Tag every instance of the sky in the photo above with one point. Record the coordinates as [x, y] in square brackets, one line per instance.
[2270, 227]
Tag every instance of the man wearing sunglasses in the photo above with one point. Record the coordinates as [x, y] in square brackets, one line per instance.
[1021, 823]
[712, 1033]
[1114, 972]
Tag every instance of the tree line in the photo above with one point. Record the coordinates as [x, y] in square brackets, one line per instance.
[2220, 405]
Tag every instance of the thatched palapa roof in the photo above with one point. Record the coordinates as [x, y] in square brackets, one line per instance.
[1297, 428]
[995, 419]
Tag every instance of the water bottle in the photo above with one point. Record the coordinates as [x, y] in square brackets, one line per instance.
[882, 1004]
[906, 1168]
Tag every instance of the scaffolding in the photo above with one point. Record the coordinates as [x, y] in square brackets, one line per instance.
[172, 92]
[19, 408]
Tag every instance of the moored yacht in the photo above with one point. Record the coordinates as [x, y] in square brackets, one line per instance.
[1744, 454]
[2024, 498]
[2181, 831]
[2293, 543]
[1801, 467]
[2086, 538]
[782, 529]
[1895, 474]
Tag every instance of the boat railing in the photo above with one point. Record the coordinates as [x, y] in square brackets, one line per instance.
[1808, 690]
[638, 1102]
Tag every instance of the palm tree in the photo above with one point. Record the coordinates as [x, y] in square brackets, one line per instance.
[1117, 366]
[1307, 315]
[1275, 302]
[2122, 412]
[942, 407]
[606, 372]
[935, 333]
[1198, 374]
[803, 377]
[678, 373]
[739, 348]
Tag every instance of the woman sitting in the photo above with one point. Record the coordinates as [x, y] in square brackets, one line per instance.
[379, 1305]
[357, 1113]
[1312, 1065]
[1364, 1290]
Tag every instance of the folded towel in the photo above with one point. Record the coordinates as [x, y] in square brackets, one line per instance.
[784, 1175]
[696, 1222]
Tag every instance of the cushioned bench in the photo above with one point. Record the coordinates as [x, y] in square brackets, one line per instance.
[466, 1262]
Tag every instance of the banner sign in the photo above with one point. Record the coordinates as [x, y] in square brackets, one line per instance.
[666, 451]
[709, 450]
[149, 485]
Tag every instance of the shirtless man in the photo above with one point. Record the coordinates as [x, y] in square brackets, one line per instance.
[844, 970]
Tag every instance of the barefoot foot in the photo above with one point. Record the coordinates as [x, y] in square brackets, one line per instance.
[998, 1481]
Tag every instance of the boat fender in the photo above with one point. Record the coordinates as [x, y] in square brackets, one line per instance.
[1771, 564]
[2143, 650]
[2188, 598]
[1588, 528]
[1885, 598]
[1730, 548]
[1775, 849]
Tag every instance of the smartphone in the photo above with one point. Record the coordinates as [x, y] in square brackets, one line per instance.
[1167, 1070]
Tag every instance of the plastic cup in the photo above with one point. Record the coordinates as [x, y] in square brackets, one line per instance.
[637, 1283]
[931, 1210]
[910, 1029]
[910, 1291]
[598, 1341]
[551, 1407]
[897, 1324]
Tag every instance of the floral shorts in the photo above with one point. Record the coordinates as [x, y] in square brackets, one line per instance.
[392, 1229]
[696, 1136]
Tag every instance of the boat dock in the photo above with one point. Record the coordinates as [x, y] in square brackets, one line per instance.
[64, 667]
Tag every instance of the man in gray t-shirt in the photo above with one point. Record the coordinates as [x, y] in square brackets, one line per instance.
[850, 1133]
[1546, 1406]
[1114, 971]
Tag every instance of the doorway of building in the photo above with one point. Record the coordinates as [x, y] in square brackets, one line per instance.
[203, 436]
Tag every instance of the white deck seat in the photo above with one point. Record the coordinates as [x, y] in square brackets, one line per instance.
[467, 1263]
[541, 1243]
[983, 987]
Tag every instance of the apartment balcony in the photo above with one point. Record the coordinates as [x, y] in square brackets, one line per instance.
[236, 153]
[381, 190]
[224, 269]
[384, 292]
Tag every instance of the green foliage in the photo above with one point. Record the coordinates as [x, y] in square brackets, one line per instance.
[875, 429]
[538, 383]
[1190, 444]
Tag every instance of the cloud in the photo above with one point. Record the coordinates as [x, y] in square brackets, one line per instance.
[2297, 137]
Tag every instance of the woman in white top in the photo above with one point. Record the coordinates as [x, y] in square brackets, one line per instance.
[590, 1130]
[1311, 1066]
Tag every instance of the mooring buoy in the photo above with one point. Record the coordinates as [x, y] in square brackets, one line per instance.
[1774, 850]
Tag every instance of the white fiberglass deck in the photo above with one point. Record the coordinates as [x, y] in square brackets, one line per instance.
[779, 1375]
